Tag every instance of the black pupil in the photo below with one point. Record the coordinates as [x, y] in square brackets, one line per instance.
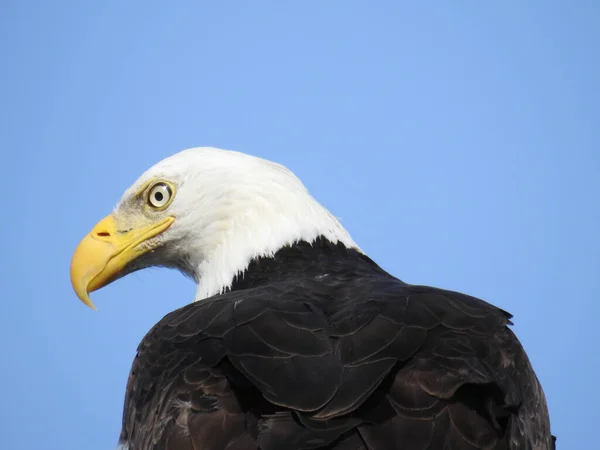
[158, 196]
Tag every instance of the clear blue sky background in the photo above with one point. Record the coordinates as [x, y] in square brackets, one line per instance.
[458, 141]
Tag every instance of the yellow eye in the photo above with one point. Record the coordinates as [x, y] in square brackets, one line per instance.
[160, 195]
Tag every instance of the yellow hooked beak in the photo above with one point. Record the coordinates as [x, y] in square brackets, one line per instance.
[105, 251]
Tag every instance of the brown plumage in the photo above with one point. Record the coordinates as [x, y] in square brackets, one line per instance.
[319, 348]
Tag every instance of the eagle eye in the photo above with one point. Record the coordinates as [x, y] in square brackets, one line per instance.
[160, 195]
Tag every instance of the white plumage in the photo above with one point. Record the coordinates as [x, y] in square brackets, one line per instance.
[229, 208]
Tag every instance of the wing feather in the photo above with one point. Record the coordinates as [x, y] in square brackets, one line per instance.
[374, 365]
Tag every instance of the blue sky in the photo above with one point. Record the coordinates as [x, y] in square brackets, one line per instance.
[458, 142]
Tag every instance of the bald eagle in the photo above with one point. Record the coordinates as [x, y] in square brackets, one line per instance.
[296, 339]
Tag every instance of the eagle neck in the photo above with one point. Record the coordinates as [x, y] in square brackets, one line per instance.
[303, 261]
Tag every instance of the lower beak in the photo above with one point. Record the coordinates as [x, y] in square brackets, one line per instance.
[101, 256]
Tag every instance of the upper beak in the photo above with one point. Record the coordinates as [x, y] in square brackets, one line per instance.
[101, 256]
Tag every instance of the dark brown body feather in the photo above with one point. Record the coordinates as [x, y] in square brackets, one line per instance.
[320, 348]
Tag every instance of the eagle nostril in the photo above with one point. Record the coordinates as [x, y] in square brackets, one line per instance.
[103, 234]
